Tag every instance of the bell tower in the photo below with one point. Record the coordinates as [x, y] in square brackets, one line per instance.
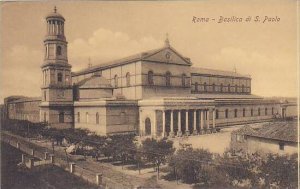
[57, 95]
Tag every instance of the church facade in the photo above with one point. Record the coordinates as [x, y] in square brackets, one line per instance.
[153, 93]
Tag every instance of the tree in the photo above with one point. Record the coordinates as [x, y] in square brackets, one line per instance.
[238, 169]
[157, 151]
[97, 143]
[120, 147]
[280, 170]
[189, 163]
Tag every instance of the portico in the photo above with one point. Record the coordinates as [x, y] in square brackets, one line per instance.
[172, 117]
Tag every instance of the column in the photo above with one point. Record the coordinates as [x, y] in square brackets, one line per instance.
[164, 123]
[59, 28]
[46, 155]
[154, 128]
[52, 27]
[171, 124]
[142, 125]
[187, 132]
[55, 28]
[195, 123]
[98, 179]
[201, 122]
[214, 121]
[179, 132]
[72, 167]
[207, 121]
[23, 158]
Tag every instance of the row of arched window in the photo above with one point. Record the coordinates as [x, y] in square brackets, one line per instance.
[150, 75]
[244, 112]
[121, 117]
[205, 87]
[168, 76]
[116, 80]
[58, 51]
[87, 118]
[61, 117]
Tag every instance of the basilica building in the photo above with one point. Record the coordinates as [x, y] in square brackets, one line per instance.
[153, 93]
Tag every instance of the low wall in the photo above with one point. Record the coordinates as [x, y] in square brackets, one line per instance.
[35, 151]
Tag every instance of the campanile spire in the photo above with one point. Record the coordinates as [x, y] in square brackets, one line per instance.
[57, 93]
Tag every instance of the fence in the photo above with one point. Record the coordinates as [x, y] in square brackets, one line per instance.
[33, 152]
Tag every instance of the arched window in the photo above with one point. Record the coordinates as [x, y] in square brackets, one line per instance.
[217, 114]
[168, 79]
[229, 88]
[116, 81]
[221, 87]
[97, 118]
[272, 111]
[58, 50]
[123, 119]
[236, 88]
[196, 87]
[258, 111]
[213, 87]
[183, 80]
[205, 87]
[243, 88]
[235, 112]
[61, 117]
[45, 117]
[87, 117]
[45, 95]
[244, 112]
[226, 113]
[251, 112]
[150, 78]
[127, 79]
[59, 77]
[78, 117]
[266, 111]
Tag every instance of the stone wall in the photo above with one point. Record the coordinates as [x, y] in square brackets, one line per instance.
[85, 118]
[25, 110]
[264, 146]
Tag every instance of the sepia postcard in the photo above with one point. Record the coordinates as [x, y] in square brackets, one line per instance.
[150, 94]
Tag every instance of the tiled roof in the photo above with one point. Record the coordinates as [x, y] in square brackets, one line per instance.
[226, 96]
[133, 58]
[95, 82]
[245, 130]
[283, 131]
[206, 71]
[129, 59]
[26, 99]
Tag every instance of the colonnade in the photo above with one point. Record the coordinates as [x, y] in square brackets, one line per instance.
[55, 27]
[206, 124]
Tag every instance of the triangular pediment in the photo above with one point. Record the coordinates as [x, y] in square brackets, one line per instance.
[167, 55]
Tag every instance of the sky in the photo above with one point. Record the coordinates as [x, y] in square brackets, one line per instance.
[104, 31]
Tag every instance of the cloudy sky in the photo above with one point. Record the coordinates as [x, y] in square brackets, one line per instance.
[105, 31]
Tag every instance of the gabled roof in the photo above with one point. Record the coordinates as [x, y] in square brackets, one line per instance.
[133, 58]
[205, 71]
[245, 130]
[282, 131]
